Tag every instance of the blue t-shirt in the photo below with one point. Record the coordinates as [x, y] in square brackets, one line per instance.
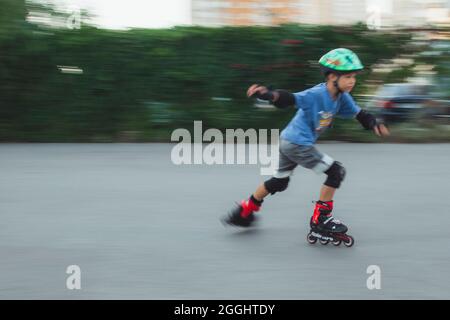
[315, 113]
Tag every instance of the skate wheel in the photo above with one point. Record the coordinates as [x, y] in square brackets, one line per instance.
[350, 241]
[324, 242]
[311, 239]
[337, 243]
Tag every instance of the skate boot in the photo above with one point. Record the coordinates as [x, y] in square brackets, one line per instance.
[326, 228]
[243, 214]
[323, 221]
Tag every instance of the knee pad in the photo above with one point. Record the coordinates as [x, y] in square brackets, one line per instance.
[276, 184]
[336, 174]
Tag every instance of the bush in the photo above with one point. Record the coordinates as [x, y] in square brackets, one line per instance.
[152, 81]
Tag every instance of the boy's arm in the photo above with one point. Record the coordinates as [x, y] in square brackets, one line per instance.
[369, 122]
[279, 98]
[285, 99]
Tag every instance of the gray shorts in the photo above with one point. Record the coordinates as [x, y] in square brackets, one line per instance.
[291, 155]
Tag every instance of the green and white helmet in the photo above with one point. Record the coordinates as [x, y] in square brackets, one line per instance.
[340, 61]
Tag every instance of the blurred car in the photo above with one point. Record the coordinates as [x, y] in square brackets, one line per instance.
[401, 101]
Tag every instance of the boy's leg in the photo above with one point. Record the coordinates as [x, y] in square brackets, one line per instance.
[280, 179]
[243, 214]
[310, 158]
[261, 192]
[326, 193]
[322, 217]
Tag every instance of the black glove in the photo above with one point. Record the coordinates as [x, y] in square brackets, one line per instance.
[267, 96]
[367, 120]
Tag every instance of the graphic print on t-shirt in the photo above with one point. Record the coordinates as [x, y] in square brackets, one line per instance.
[325, 120]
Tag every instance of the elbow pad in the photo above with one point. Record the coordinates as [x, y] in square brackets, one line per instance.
[367, 120]
[285, 99]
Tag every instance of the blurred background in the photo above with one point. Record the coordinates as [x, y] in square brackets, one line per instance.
[140, 226]
[133, 71]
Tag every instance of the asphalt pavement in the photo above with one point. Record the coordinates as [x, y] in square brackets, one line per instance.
[140, 227]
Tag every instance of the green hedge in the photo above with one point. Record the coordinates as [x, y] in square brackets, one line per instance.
[149, 82]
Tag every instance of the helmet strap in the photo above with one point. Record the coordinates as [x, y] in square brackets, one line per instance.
[335, 82]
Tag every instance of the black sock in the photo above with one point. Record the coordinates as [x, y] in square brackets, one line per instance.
[255, 201]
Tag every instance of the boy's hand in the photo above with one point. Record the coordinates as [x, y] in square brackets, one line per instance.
[381, 130]
[261, 92]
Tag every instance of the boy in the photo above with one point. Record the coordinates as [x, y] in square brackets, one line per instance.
[316, 108]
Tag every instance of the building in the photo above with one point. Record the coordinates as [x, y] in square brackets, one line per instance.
[376, 13]
[244, 12]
